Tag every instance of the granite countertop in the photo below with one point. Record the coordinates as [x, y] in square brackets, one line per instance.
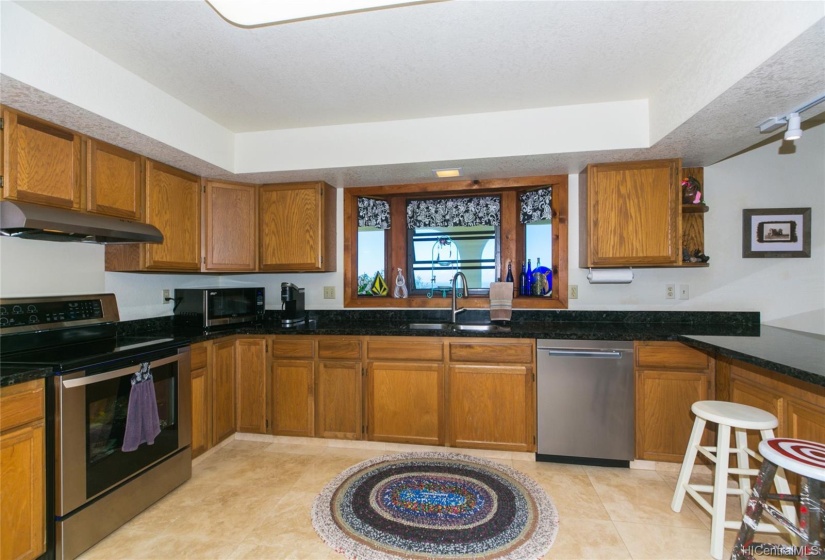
[735, 335]
[794, 353]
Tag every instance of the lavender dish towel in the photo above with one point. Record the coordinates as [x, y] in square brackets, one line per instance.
[142, 420]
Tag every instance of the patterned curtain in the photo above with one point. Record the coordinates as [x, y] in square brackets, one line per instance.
[535, 205]
[373, 213]
[446, 212]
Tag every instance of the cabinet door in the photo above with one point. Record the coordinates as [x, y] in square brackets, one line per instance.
[491, 407]
[405, 402]
[41, 162]
[223, 390]
[339, 400]
[173, 206]
[251, 372]
[293, 396]
[22, 492]
[663, 417]
[297, 226]
[805, 421]
[631, 214]
[230, 226]
[114, 181]
[201, 400]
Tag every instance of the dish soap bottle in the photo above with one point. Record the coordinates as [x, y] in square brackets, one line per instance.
[400, 290]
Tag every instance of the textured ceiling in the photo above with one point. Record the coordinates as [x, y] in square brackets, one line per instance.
[447, 58]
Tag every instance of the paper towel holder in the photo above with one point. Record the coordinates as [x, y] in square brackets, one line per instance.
[610, 276]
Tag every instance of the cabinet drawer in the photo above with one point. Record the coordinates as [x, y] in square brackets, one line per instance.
[485, 352]
[405, 350]
[293, 348]
[21, 404]
[670, 355]
[339, 349]
[198, 356]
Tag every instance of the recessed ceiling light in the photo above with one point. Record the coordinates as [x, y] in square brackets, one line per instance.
[452, 172]
[253, 13]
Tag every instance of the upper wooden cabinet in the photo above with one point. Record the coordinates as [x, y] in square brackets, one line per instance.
[630, 214]
[297, 227]
[172, 206]
[230, 226]
[41, 162]
[114, 181]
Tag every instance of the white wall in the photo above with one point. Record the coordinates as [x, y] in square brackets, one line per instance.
[787, 292]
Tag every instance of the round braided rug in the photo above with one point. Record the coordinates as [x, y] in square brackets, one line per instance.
[435, 505]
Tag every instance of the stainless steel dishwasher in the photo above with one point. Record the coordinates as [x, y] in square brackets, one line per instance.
[585, 401]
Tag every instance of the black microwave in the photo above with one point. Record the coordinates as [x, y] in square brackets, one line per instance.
[212, 307]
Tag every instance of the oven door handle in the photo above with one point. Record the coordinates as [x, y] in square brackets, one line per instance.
[131, 370]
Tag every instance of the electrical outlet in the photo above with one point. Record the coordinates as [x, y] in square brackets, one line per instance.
[574, 291]
[329, 292]
[684, 291]
[167, 296]
[670, 291]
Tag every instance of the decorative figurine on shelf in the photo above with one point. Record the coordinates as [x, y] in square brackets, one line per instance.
[400, 290]
[690, 191]
[379, 287]
[699, 256]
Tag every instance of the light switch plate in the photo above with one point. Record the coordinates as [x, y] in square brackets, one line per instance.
[684, 291]
[574, 291]
[329, 292]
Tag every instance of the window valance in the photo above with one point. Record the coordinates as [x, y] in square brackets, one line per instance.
[448, 212]
[373, 213]
[535, 205]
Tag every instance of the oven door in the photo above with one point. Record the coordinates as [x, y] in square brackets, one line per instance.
[91, 416]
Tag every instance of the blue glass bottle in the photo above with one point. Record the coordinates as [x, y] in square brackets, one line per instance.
[529, 285]
[522, 281]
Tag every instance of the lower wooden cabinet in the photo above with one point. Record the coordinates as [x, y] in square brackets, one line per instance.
[293, 395]
[201, 399]
[670, 377]
[491, 407]
[22, 468]
[338, 388]
[250, 365]
[223, 389]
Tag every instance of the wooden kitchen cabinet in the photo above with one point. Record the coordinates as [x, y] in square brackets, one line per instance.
[173, 205]
[223, 389]
[41, 162]
[293, 386]
[339, 389]
[114, 181]
[405, 391]
[670, 377]
[630, 214]
[201, 399]
[250, 365]
[230, 227]
[22, 471]
[492, 402]
[799, 406]
[297, 227]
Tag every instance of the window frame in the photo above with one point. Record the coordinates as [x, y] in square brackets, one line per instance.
[511, 247]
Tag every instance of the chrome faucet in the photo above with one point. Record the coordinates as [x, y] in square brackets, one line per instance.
[464, 294]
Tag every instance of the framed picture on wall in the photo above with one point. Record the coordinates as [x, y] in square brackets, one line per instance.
[776, 233]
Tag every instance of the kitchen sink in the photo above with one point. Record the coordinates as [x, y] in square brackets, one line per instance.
[458, 327]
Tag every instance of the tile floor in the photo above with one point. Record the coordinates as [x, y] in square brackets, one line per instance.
[250, 499]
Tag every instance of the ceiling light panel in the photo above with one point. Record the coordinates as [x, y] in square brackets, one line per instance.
[443, 173]
[254, 13]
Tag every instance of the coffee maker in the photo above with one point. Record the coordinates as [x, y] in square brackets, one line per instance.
[292, 305]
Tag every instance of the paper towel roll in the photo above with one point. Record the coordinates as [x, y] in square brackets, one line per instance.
[610, 276]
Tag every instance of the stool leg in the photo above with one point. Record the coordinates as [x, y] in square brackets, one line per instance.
[743, 462]
[781, 483]
[753, 512]
[810, 514]
[687, 464]
[720, 495]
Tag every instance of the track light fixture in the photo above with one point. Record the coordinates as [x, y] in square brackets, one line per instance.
[792, 119]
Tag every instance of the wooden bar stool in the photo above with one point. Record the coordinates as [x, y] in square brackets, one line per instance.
[807, 459]
[741, 418]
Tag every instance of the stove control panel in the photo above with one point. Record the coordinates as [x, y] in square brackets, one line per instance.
[49, 311]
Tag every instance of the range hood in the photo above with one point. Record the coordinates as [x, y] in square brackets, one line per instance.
[32, 221]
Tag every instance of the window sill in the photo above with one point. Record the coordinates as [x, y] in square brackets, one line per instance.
[472, 302]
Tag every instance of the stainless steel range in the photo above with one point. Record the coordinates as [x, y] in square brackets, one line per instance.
[97, 481]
